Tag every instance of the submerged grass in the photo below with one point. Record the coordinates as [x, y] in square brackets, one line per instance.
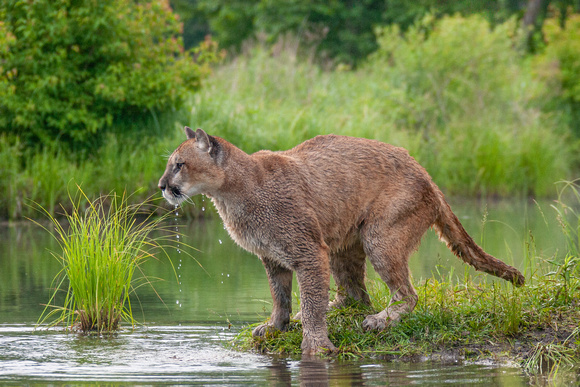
[473, 318]
[103, 244]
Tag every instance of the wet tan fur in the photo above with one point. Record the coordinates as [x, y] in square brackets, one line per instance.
[322, 208]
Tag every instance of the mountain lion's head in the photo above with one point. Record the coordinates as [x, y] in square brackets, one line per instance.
[193, 168]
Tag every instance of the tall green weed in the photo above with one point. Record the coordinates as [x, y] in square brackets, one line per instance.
[102, 248]
[455, 92]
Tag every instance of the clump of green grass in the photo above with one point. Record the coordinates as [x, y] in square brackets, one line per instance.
[103, 244]
[547, 358]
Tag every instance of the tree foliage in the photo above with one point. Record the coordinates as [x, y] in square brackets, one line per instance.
[342, 30]
[69, 68]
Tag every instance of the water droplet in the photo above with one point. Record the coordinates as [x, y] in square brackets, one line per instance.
[228, 275]
[178, 250]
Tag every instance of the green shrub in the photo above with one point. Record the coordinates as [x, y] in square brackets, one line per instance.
[6, 89]
[69, 70]
[452, 67]
[471, 96]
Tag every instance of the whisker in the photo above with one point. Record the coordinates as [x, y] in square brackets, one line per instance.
[167, 154]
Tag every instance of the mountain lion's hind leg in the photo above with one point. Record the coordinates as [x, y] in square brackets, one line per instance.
[348, 268]
[388, 247]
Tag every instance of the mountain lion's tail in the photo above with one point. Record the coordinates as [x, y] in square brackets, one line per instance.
[454, 235]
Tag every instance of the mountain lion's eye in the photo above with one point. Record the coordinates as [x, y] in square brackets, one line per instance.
[179, 165]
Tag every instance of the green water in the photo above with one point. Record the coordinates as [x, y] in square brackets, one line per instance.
[189, 320]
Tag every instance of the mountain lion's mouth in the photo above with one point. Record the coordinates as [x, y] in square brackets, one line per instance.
[173, 195]
[176, 192]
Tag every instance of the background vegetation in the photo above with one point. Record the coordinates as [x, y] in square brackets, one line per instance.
[96, 93]
[70, 70]
[343, 30]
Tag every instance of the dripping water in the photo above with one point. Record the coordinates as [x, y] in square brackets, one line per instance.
[178, 252]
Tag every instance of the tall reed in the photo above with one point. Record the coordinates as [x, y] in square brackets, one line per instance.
[102, 248]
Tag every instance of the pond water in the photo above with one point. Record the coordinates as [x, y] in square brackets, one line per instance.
[185, 336]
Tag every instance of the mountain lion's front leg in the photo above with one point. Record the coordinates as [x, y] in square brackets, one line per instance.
[280, 280]
[313, 278]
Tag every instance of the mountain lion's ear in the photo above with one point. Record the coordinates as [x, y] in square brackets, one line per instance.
[189, 133]
[203, 142]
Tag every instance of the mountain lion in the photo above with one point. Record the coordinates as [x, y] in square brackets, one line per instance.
[321, 208]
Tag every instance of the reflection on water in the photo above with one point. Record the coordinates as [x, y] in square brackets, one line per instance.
[161, 354]
[198, 355]
[185, 336]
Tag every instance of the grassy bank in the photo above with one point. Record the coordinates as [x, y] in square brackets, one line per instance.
[466, 103]
[466, 317]
[472, 318]
[535, 327]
